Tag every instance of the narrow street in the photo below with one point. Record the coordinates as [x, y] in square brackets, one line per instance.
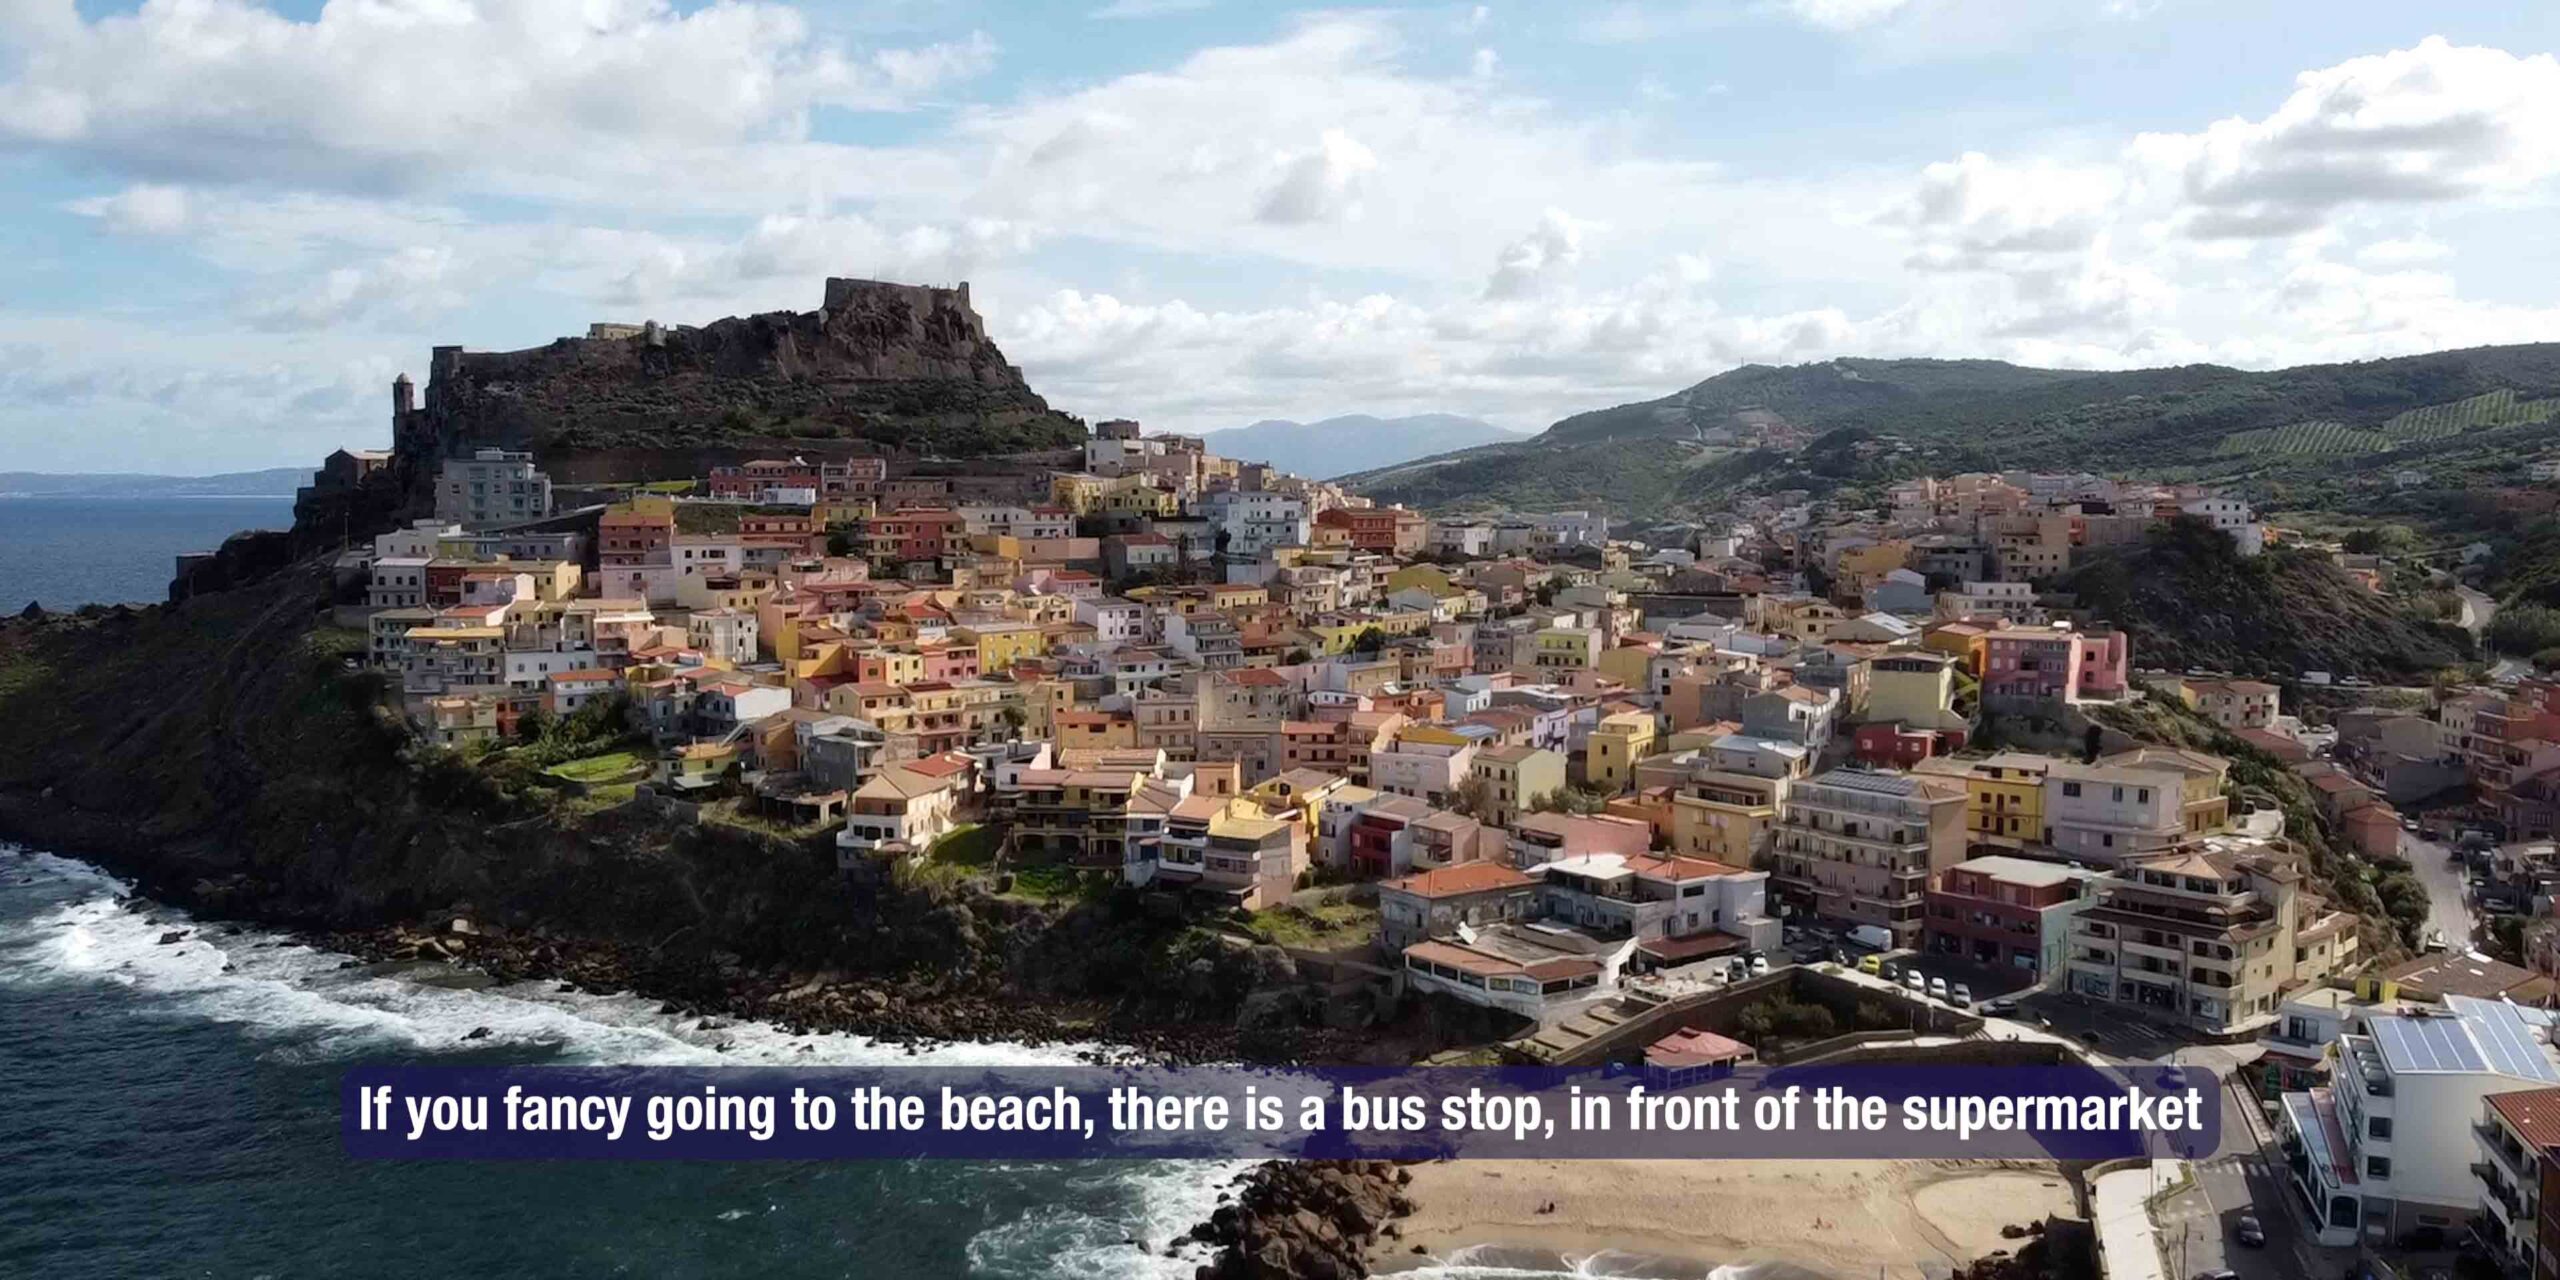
[2445, 882]
[2198, 1225]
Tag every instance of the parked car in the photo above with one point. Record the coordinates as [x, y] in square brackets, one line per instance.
[2000, 1006]
[1840, 956]
[2218, 1273]
[2250, 1231]
[1911, 978]
[1963, 996]
[1759, 965]
[1938, 988]
[1871, 964]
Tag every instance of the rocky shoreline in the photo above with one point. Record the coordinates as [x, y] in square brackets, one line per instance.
[1305, 1220]
[915, 1011]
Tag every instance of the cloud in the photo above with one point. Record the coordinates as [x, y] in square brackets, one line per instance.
[1148, 8]
[2429, 124]
[1843, 15]
[1321, 184]
[1539, 258]
[383, 95]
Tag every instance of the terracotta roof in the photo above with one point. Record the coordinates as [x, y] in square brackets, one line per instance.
[1466, 877]
[2533, 1113]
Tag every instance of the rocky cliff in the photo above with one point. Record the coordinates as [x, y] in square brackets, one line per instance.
[877, 368]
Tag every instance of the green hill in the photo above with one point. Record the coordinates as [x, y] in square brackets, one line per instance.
[2189, 600]
[1853, 421]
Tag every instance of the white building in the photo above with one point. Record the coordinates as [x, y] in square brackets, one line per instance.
[399, 582]
[2232, 516]
[2389, 1146]
[728, 635]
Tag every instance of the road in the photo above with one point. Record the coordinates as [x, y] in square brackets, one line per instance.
[2197, 1225]
[2477, 609]
[2445, 884]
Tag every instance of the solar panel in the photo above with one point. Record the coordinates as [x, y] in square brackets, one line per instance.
[2513, 1046]
[2427, 1044]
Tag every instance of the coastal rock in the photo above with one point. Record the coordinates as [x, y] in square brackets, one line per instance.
[173, 936]
[1302, 1220]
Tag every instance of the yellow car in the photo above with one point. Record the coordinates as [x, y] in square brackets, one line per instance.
[1871, 964]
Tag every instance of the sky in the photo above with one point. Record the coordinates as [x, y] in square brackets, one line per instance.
[231, 223]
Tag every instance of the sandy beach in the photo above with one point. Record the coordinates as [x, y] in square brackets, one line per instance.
[1848, 1218]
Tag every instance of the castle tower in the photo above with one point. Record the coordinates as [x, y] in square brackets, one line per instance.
[404, 399]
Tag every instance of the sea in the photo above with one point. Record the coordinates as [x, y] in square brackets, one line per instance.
[67, 552]
[171, 1111]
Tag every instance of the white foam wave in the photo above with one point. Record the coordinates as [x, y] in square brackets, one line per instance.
[315, 1007]
[60, 923]
[1067, 1240]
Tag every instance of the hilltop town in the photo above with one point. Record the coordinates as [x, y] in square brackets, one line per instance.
[1855, 775]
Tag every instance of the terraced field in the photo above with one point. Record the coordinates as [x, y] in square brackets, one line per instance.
[2301, 439]
[2325, 438]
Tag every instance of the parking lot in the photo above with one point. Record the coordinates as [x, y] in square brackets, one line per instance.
[1815, 943]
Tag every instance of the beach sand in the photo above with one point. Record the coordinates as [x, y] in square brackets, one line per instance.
[1849, 1218]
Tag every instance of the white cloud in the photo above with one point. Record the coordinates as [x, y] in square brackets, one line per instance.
[1539, 259]
[1320, 184]
[1147, 8]
[1843, 15]
[390, 94]
[2425, 125]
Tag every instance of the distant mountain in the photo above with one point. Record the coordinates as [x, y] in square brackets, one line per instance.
[275, 482]
[2295, 434]
[1353, 442]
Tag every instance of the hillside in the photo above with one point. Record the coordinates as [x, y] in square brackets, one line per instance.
[2190, 601]
[275, 482]
[2310, 428]
[1353, 442]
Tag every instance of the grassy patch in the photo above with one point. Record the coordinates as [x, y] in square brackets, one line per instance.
[604, 768]
[1050, 883]
[666, 486]
[967, 845]
[337, 642]
[1321, 928]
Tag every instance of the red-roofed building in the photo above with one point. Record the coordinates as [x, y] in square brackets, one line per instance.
[1689, 1056]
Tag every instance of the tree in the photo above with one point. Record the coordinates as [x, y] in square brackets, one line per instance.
[839, 543]
[1013, 722]
[1296, 656]
[1369, 641]
[1570, 799]
[2525, 628]
[1472, 798]
[2382, 539]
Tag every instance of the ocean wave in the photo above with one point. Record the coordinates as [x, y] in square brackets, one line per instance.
[62, 923]
[319, 1006]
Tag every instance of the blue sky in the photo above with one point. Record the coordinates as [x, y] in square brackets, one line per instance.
[234, 222]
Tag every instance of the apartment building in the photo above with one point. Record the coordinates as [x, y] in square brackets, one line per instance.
[2395, 1142]
[492, 486]
[2209, 935]
[1858, 847]
[2008, 912]
[2519, 1216]
[1512, 777]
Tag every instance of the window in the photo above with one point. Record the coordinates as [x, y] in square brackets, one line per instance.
[2377, 1166]
[2378, 1127]
[2071, 789]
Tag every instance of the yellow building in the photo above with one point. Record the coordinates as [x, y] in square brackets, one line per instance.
[2003, 795]
[1863, 567]
[1725, 816]
[1077, 491]
[1617, 743]
[1912, 686]
[1566, 648]
[1629, 664]
[1001, 644]
[1512, 777]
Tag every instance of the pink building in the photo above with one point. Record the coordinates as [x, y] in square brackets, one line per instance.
[2035, 670]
